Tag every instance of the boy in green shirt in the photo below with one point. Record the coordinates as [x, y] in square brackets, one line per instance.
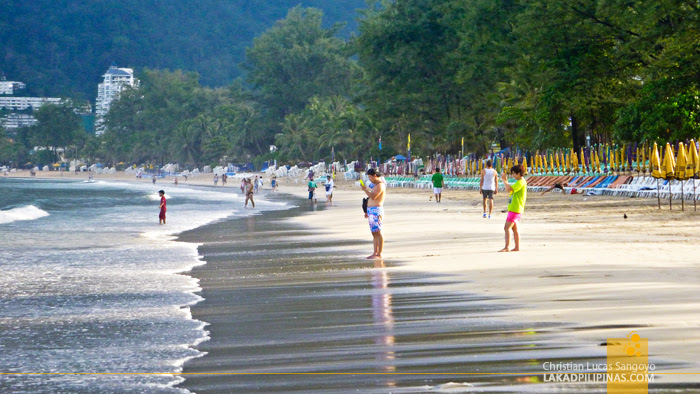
[438, 184]
[518, 193]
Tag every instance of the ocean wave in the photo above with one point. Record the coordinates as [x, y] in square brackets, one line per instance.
[27, 212]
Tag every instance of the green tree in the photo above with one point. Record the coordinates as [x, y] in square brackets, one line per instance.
[298, 59]
[57, 126]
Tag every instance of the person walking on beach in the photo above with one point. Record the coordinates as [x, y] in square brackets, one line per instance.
[249, 193]
[260, 183]
[223, 179]
[243, 185]
[216, 179]
[375, 210]
[312, 189]
[273, 183]
[329, 190]
[255, 184]
[163, 208]
[488, 186]
[518, 193]
[153, 179]
[438, 184]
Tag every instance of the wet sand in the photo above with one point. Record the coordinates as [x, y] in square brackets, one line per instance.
[282, 298]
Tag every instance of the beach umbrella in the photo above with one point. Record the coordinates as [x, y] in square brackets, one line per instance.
[655, 167]
[693, 168]
[524, 165]
[544, 163]
[668, 170]
[623, 163]
[680, 174]
[668, 165]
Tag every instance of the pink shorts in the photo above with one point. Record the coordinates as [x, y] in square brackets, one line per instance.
[514, 217]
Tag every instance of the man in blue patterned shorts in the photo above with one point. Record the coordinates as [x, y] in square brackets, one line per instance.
[375, 210]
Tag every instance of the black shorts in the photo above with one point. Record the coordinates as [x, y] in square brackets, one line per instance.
[487, 194]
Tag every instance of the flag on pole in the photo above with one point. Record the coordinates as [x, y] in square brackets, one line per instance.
[380, 143]
[408, 148]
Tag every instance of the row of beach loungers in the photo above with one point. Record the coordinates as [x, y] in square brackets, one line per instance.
[615, 185]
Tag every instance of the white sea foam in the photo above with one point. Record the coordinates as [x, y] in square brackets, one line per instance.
[27, 212]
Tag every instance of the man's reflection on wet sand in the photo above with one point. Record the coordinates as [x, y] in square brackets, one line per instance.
[383, 319]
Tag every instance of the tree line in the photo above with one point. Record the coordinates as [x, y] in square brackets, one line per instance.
[532, 74]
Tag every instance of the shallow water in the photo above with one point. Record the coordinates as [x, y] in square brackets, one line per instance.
[89, 283]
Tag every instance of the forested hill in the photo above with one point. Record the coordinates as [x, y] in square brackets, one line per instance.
[62, 47]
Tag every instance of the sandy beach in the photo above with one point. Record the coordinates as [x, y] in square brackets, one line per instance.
[585, 274]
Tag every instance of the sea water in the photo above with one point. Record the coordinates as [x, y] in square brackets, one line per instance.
[92, 286]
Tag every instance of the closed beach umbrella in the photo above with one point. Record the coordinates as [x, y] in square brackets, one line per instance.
[668, 171]
[525, 164]
[622, 158]
[655, 162]
[693, 159]
[668, 167]
[693, 169]
[680, 174]
[544, 163]
[681, 163]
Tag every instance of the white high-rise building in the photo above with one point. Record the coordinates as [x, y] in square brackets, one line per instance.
[21, 103]
[9, 87]
[113, 82]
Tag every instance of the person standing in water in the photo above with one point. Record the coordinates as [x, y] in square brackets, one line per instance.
[375, 210]
[488, 186]
[163, 208]
[249, 193]
[518, 193]
[312, 189]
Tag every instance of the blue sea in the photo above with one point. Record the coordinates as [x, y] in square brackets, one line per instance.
[91, 283]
